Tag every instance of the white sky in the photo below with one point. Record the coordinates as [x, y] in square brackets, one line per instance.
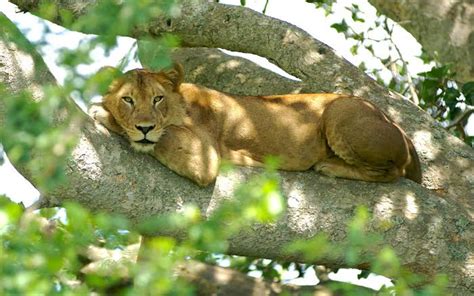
[300, 13]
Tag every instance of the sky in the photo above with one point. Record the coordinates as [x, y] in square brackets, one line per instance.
[302, 14]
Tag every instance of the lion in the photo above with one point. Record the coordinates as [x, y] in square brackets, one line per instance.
[192, 129]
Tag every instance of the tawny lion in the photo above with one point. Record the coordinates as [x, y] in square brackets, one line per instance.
[191, 129]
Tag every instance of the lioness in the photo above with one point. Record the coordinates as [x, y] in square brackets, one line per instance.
[191, 129]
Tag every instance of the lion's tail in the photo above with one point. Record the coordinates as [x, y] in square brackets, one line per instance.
[413, 170]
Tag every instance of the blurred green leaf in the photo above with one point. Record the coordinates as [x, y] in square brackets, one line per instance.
[437, 72]
[451, 96]
[46, 137]
[312, 249]
[429, 89]
[425, 56]
[354, 49]
[340, 27]
[468, 92]
[10, 213]
[155, 54]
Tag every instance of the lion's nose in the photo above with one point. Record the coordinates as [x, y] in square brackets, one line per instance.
[145, 129]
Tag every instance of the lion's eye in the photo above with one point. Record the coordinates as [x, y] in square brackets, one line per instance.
[158, 99]
[127, 100]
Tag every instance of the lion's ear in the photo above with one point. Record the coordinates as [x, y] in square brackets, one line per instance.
[175, 74]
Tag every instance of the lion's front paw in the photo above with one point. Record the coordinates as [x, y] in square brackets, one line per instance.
[102, 118]
[97, 112]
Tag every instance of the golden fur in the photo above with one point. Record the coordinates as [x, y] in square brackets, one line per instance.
[191, 129]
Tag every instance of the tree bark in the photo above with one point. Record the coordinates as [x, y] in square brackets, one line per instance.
[444, 28]
[427, 231]
[214, 25]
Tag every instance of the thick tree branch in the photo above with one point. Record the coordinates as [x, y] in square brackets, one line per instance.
[240, 29]
[425, 230]
[444, 28]
[205, 278]
[215, 25]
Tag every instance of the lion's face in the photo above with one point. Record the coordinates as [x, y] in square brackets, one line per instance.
[144, 103]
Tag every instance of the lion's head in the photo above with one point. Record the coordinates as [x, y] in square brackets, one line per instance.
[144, 103]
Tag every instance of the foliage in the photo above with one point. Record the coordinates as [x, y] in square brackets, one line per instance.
[49, 253]
[445, 101]
[33, 127]
[44, 252]
[52, 141]
[158, 52]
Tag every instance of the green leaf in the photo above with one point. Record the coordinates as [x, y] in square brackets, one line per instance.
[242, 2]
[354, 49]
[362, 66]
[468, 92]
[425, 57]
[358, 36]
[340, 27]
[428, 90]
[451, 96]
[10, 213]
[370, 48]
[438, 72]
[356, 18]
[313, 248]
[454, 112]
[402, 69]
[363, 274]
[155, 54]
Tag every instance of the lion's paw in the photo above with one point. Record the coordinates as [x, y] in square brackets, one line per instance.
[326, 169]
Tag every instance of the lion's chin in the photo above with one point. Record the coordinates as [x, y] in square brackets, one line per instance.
[143, 147]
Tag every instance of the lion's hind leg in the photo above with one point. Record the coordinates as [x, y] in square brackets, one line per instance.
[337, 167]
[365, 144]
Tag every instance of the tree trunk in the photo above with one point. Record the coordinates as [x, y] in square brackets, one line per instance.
[423, 227]
[445, 28]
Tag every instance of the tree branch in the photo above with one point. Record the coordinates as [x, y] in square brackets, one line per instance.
[295, 51]
[215, 25]
[205, 278]
[425, 230]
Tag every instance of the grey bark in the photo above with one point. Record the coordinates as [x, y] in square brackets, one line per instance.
[445, 28]
[423, 227]
[214, 25]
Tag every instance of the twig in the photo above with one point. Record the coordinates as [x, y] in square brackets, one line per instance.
[377, 40]
[439, 112]
[265, 7]
[462, 132]
[465, 115]
[411, 85]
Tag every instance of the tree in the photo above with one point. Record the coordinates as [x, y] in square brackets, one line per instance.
[450, 21]
[104, 175]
